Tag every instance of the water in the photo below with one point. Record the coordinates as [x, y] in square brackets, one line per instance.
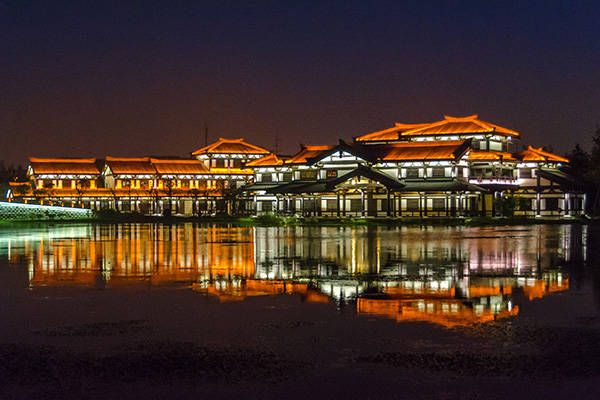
[446, 276]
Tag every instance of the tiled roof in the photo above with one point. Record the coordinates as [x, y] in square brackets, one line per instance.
[307, 152]
[175, 166]
[83, 166]
[455, 126]
[230, 171]
[446, 150]
[269, 160]
[388, 134]
[136, 165]
[491, 155]
[231, 146]
[533, 154]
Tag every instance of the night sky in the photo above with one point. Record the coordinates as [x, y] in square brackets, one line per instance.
[140, 78]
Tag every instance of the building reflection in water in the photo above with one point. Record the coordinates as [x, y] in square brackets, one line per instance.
[448, 276]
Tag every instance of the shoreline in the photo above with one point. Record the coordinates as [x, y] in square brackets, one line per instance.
[273, 220]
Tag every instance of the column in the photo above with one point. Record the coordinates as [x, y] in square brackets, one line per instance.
[446, 204]
[482, 199]
[567, 205]
[389, 204]
[338, 203]
[362, 201]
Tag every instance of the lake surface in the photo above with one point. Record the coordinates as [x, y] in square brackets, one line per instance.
[447, 276]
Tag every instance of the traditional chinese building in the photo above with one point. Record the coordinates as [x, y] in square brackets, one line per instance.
[148, 185]
[453, 167]
[449, 168]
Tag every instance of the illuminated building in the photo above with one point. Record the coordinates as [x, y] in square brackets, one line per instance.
[147, 185]
[453, 167]
[456, 167]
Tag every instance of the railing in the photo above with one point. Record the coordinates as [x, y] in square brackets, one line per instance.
[493, 180]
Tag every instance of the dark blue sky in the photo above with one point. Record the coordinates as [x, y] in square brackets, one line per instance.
[137, 78]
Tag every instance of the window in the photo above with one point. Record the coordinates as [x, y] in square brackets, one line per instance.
[384, 204]
[311, 205]
[267, 177]
[267, 206]
[332, 204]
[287, 176]
[439, 204]
[552, 204]
[495, 146]
[525, 173]
[307, 175]
[332, 173]
[412, 172]
[524, 204]
[576, 203]
[356, 205]
[438, 172]
[412, 204]
[217, 163]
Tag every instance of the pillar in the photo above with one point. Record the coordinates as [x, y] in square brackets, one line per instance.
[362, 201]
[338, 203]
[389, 204]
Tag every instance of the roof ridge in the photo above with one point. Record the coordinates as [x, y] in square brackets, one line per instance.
[64, 160]
[461, 119]
[174, 160]
[127, 159]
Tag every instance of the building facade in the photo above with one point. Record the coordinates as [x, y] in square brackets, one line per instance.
[449, 168]
[455, 167]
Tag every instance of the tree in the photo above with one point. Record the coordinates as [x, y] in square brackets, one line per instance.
[593, 171]
[579, 161]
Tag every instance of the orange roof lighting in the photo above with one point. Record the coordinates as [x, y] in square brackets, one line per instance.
[490, 155]
[176, 166]
[307, 152]
[130, 165]
[85, 166]
[268, 160]
[446, 150]
[456, 126]
[230, 146]
[533, 154]
[392, 133]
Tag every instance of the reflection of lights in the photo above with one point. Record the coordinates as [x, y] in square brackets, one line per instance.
[434, 273]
